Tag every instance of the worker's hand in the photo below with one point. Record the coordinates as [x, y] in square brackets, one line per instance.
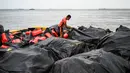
[69, 27]
[65, 31]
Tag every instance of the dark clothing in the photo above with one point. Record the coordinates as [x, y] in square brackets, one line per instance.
[57, 29]
[1, 31]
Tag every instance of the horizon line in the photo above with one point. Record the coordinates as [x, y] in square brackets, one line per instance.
[60, 9]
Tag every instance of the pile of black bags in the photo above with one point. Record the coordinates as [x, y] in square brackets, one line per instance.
[96, 61]
[117, 42]
[33, 59]
[87, 50]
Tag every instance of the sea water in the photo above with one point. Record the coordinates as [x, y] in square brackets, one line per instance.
[106, 19]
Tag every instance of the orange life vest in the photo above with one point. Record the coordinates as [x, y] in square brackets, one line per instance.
[36, 32]
[4, 47]
[28, 32]
[4, 38]
[48, 35]
[42, 38]
[62, 22]
[54, 33]
[16, 41]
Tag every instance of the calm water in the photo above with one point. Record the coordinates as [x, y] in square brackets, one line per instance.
[18, 19]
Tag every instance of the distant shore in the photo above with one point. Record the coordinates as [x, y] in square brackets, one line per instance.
[68, 9]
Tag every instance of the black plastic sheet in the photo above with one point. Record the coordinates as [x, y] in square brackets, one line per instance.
[95, 32]
[62, 48]
[117, 42]
[27, 60]
[96, 61]
[88, 35]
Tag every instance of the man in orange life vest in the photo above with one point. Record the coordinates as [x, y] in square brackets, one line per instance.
[63, 23]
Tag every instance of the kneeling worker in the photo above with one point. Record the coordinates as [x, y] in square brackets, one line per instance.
[63, 23]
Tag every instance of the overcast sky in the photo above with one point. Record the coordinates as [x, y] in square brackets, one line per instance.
[64, 4]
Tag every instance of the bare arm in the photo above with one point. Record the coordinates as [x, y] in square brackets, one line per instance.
[69, 27]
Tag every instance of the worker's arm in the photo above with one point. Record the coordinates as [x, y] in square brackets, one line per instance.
[69, 27]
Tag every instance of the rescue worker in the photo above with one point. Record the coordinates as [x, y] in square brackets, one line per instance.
[63, 23]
